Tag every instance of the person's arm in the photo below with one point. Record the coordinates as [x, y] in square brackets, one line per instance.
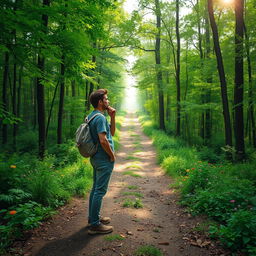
[112, 114]
[106, 146]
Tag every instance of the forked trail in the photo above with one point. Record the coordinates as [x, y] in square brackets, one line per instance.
[137, 181]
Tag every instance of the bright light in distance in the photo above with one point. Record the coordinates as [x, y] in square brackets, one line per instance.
[227, 1]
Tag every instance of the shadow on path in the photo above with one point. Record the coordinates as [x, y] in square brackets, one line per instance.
[71, 245]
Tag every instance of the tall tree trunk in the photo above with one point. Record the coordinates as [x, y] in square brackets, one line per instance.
[223, 84]
[86, 101]
[61, 102]
[91, 85]
[4, 95]
[14, 99]
[250, 102]
[159, 76]
[14, 93]
[239, 81]
[19, 95]
[178, 118]
[51, 108]
[202, 123]
[208, 79]
[40, 90]
[73, 91]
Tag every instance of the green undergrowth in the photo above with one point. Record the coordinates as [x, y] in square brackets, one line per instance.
[31, 190]
[131, 173]
[113, 237]
[130, 193]
[148, 250]
[132, 203]
[225, 192]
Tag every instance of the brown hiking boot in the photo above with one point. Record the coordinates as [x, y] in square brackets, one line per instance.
[103, 220]
[100, 229]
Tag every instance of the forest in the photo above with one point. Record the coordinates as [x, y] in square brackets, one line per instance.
[194, 65]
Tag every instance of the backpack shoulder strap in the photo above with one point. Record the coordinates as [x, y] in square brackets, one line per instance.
[88, 121]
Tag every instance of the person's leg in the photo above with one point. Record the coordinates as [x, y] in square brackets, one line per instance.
[103, 173]
[91, 195]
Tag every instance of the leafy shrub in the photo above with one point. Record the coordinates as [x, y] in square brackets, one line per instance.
[179, 161]
[25, 216]
[239, 232]
[208, 154]
[200, 176]
[244, 171]
[64, 153]
[223, 198]
[13, 197]
[27, 141]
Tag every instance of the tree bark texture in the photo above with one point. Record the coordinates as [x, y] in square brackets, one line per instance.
[239, 81]
[178, 117]
[223, 83]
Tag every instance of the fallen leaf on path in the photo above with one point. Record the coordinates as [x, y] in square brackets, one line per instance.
[163, 243]
[140, 229]
[129, 233]
[51, 238]
[122, 235]
[200, 243]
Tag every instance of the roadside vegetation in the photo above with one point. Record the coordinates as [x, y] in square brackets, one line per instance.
[32, 189]
[210, 185]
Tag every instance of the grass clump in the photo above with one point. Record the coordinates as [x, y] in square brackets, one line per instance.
[134, 166]
[136, 194]
[113, 237]
[129, 203]
[131, 173]
[148, 250]
[130, 157]
[132, 187]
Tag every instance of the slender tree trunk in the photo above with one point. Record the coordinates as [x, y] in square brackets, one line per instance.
[61, 102]
[91, 85]
[86, 95]
[250, 103]
[159, 76]
[14, 94]
[239, 81]
[73, 91]
[51, 108]
[178, 118]
[40, 90]
[202, 123]
[4, 95]
[14, 100]
[208, 79]
[223, 84]
[19, 96]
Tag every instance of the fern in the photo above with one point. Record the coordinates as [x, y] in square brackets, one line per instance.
[14, 196]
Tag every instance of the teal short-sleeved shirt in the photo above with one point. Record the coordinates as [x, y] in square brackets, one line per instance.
[100, 125]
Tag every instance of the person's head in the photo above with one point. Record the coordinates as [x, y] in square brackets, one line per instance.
[99, 99]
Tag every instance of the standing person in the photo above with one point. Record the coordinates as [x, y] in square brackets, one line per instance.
[103, 161]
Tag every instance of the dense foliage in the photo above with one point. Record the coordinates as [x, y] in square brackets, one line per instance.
[183, 84]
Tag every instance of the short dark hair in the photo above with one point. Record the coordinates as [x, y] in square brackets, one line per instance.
[96, 96]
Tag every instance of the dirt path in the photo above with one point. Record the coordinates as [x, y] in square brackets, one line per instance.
[161, 222]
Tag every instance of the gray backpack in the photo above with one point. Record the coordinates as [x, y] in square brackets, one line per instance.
[84, 141]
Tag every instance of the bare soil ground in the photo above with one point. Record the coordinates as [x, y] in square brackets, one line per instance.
[161, 222]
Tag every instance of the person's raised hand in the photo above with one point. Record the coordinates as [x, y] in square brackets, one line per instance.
[111, 111]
